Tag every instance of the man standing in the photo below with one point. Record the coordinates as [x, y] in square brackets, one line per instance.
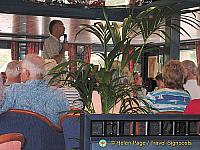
[52, 48]
[191, 80]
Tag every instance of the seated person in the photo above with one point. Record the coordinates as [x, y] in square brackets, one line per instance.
[159, 82]
[72, 94]
[1, 87]
[50, 64]
[137, 81]
[34, 94]
[150, 84]
[3, 76]
[13, 73]
[172, 97]
[193, 106]
[126, 75]
[191, 84]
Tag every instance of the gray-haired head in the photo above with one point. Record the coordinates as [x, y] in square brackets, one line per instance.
[13, 69]
[34, 64]
[190, 67]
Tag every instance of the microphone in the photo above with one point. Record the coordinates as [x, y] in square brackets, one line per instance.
[65, 38]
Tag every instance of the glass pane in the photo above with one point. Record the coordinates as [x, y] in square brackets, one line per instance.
[5, 58]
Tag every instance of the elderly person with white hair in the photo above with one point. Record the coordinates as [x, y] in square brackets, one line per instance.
[191, 79]
[34, 94]
[12, 72]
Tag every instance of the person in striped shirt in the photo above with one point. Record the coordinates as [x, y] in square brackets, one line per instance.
[173, 97]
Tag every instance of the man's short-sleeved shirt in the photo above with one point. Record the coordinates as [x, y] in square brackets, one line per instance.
[36, 96]
[166, 99]
[51, 47]
[73, 97]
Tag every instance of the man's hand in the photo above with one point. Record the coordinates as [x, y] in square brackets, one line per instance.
[65, 46]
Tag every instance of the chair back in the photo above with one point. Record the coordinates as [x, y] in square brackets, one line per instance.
[71, 128]
[11, 141]
[40, 133]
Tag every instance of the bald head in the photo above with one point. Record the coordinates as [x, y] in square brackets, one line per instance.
[12, 69]
[13, 72]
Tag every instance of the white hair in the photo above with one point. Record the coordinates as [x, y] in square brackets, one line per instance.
[190, 66]
[12, 69]
[34, 64]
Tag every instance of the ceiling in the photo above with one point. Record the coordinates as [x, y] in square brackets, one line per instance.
[13, 21]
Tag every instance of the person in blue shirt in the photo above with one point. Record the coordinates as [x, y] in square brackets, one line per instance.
[173, 97]
[34, 94]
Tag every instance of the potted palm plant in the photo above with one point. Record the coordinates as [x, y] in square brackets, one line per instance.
[106, 80]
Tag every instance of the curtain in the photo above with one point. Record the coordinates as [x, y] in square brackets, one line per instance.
[197, 44]
[88, 50]
[15, 50]
[72, 52]
[33, 48]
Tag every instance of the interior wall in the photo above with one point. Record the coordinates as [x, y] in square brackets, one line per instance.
[152, 66]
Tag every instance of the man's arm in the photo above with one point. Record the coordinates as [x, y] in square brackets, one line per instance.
[54, 50]
[61, 54]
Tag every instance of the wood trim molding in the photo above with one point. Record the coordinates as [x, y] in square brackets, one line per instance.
[69, 115]
[12, 137]
[75, 113]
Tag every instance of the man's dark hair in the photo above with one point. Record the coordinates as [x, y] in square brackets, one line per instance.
[52, 23]
[159, 77]
[150, 84]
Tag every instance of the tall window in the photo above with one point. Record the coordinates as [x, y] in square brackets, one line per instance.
[188, 55]
[5, 58]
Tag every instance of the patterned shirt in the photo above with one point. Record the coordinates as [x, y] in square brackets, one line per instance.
[166, 99]
[51, 48]
[36, 96]
[73, 97]
[1, 87]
